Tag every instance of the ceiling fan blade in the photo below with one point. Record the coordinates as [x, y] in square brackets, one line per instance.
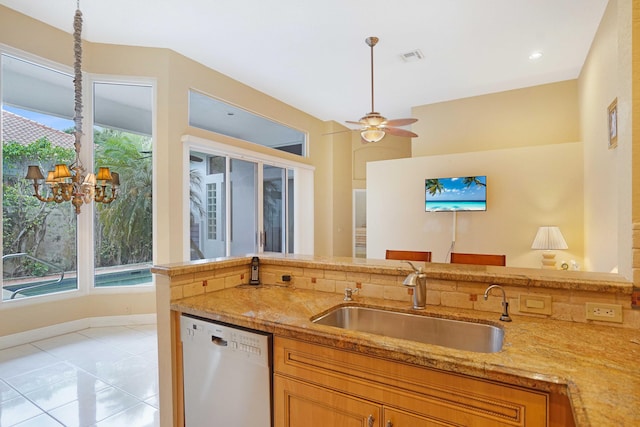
[356, 123]
[400, 122]
[399, 132]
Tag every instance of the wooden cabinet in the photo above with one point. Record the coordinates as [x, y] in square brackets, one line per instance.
[316, 385]
[299, 404]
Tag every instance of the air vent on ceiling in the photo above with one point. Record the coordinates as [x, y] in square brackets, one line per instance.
[414, 55]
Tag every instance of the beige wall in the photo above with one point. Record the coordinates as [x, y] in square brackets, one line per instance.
[635, 119]
[526, 188]
[391, 147]
[556, 113]
[538, 115]
[606, 75]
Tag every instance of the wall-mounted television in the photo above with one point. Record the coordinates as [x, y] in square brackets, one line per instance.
[463, 193]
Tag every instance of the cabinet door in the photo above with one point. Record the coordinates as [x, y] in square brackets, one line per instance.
[298, 404]
[396, 418]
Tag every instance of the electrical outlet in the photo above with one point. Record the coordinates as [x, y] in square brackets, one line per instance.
[604, 312]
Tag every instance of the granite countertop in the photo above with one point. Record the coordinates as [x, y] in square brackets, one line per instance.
[593, 365]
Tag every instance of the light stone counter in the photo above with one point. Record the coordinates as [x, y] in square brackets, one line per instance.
[594, 365]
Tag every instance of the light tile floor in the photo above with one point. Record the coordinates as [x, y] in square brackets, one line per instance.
[96, 377]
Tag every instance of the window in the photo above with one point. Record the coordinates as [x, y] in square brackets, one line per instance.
[41, 248]
[123, 229]
[212, 217]
[38, 240]
[220, 117]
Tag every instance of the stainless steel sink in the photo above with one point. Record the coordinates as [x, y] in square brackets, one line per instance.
[457, 334]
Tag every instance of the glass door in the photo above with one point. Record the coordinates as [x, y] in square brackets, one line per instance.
[238, 206]
[244, 202]
[273, 208]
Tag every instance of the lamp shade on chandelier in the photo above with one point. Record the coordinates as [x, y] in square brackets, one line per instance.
[68, 182]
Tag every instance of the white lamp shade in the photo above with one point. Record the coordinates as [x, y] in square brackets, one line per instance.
[549, 238]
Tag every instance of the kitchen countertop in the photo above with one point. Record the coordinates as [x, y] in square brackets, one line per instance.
[593, 365]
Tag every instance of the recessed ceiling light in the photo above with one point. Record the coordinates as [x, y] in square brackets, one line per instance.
[535, 55]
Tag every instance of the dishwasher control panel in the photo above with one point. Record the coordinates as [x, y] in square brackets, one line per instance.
[251, 345]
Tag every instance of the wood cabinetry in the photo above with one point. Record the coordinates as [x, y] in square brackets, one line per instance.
[304, 405]
[316, 385]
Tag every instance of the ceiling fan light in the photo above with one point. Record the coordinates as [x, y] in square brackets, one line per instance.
[372, 134]
[373, 119]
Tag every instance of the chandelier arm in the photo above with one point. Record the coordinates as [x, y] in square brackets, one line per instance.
[38, 196]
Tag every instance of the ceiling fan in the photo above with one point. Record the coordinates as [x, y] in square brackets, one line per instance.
[374, 125]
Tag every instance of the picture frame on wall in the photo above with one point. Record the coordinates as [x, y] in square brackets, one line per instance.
[613, 124]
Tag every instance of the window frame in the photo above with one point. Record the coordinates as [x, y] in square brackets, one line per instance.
[85, 261]
[88, 113]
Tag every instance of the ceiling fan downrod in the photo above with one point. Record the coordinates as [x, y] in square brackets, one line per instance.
[372, 41]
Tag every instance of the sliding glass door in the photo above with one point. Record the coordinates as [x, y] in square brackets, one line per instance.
[244, 202]
[256, 198]
[273, 208]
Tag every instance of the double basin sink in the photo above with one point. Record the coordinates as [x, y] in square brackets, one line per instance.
[457, 334]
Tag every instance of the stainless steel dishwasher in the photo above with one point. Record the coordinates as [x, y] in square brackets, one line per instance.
[227, 375]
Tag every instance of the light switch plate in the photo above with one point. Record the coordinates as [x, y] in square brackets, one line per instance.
[535, 304]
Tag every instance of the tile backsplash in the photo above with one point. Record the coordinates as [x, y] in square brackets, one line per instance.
[558, 304]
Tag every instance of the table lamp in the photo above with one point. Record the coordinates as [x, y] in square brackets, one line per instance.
[548, 239]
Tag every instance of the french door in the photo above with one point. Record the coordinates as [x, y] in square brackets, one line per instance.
[238, 206]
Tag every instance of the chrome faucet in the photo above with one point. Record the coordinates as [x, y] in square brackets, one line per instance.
[348, 294]
[505, 305]
[418, 281]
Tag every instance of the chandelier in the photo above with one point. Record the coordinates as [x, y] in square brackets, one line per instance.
[68, 182]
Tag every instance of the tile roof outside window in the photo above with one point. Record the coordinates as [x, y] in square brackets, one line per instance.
[24, 131]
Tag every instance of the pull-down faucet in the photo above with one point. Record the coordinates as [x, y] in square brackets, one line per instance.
[505, 305]
[418, 281]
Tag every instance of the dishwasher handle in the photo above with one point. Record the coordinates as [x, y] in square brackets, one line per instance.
[219, 341]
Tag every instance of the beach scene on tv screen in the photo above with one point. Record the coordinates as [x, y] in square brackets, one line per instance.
[465, 193]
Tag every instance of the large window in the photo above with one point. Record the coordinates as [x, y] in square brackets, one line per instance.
[218, 116]
[122, 140]
[41, 244]
[38, 240]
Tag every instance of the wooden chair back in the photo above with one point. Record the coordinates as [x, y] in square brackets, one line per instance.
[479, 259]
[408, 255]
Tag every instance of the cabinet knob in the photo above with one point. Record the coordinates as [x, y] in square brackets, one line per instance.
[389, 423]
[371, 420]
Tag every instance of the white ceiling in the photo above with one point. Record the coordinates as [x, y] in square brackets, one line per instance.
[312, 55]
